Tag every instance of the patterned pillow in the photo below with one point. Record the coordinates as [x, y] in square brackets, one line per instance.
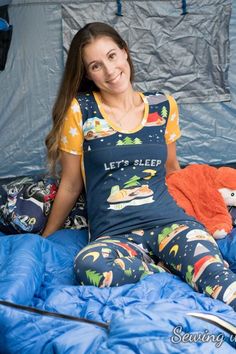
[25, 204]
[77, 218]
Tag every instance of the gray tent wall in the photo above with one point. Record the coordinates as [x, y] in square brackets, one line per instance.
[29, 83]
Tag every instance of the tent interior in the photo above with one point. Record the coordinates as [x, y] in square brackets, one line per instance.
[179, 47]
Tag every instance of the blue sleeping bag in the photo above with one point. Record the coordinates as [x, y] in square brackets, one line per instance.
[150, 316]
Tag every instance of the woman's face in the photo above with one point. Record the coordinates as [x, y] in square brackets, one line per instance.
[106, 65]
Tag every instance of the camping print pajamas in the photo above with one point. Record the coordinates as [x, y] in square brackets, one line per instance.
[185, 249]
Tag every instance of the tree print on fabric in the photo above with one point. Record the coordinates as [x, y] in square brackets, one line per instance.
[132, 182]
[93, 277]
[189, 275]
[164, 112]
[129, 141]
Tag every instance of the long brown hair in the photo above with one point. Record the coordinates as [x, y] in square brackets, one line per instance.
[74, 80]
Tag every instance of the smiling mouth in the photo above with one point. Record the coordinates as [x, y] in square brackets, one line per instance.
[114, 80]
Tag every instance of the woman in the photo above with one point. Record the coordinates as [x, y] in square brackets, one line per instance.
[120, 143]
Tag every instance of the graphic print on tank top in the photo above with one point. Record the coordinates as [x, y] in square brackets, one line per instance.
[125, 174]
[123, 171]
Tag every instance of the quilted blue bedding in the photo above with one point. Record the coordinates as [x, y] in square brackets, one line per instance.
[148, 317]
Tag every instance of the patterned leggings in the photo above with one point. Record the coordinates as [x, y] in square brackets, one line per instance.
[185, 249]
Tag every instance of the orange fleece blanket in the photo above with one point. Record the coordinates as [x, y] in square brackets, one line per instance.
[196, 189]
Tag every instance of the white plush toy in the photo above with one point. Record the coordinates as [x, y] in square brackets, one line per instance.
[229, 196]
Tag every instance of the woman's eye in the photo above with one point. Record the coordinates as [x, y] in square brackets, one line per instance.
[112, 55]
[95, 67]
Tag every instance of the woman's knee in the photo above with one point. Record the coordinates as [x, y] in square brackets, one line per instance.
[91, 269]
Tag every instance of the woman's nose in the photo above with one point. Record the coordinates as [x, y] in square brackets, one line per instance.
[109, 67]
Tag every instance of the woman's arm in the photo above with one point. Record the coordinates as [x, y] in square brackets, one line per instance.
[70, 187]
[172, 163]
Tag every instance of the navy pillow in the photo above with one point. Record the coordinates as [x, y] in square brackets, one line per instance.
[25, 204]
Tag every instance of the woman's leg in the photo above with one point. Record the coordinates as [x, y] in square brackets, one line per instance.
[192, 253]
[112, 262]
